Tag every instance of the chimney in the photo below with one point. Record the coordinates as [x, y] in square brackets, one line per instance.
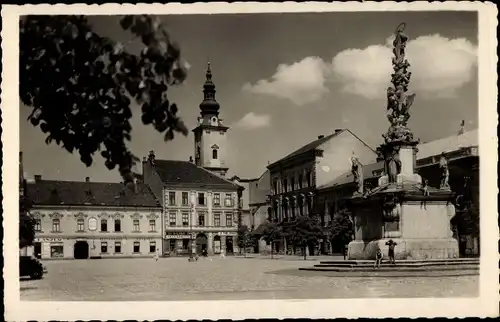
[38, 177]
[338, 130]
[191, 159]
[87, 179]
[320, 137]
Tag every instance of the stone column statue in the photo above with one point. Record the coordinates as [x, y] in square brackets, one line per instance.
[393, 166]
[445, 172]
[357, 172]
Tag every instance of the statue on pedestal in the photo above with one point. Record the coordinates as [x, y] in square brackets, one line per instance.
[445, 172]
[357, 172]
[398, 101]
[393, 165]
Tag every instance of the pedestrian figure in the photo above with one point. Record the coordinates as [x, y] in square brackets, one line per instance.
[378, 259]
[391, 245]
[222, 256]
[156, 255]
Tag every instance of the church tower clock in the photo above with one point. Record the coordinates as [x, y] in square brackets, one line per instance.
[210, 134]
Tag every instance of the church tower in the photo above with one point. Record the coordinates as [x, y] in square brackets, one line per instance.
[210, 135]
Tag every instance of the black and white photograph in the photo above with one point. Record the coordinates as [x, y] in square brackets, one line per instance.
[254, 156]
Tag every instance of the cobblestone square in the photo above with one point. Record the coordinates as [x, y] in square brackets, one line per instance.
[222, 279]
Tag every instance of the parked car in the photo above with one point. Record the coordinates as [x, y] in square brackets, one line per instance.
[30, 266]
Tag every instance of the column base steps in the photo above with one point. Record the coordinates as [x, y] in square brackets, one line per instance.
[433, 267]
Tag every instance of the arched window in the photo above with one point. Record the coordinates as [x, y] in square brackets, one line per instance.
[214, 153]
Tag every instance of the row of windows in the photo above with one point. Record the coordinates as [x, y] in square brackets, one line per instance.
[201, 219]
[172, 199]
[80, 225]
[290, 184]
[57, 251]
[136, 247]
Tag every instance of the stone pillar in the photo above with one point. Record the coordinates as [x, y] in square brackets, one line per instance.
[406, 157]
[210, 244]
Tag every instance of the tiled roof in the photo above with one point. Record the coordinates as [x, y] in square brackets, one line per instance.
[184, 172]
[309, 147]
[448, 144]
[74, 193]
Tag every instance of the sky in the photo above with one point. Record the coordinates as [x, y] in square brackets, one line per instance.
[284, 79]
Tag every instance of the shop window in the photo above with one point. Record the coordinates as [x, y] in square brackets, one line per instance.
[137, 247]
[118, 247]
[104, 247]
[56, 251]
[172, 244]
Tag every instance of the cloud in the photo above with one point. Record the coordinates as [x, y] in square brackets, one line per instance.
[253, 121]
[440, 66]
[302, 82]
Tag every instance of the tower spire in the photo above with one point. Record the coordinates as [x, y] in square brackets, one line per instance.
[209, 106]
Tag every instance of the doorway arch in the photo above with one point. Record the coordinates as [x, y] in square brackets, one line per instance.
[201, 243]
[81, 250]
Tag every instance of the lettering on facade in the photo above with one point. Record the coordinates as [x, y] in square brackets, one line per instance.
[48, 240]
[177, 236]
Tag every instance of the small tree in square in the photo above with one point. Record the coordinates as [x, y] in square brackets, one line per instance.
[305, 231]
[271, 232]
[245, 239]
[341, 228]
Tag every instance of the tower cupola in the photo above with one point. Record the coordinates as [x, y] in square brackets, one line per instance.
[209, 106]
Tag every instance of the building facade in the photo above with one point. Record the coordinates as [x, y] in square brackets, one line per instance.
[201, 209]
[295, 178]
[80, 220]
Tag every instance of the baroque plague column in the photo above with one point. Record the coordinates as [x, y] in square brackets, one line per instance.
[401, 208]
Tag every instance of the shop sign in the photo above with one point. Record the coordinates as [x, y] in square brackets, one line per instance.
[226, 233]
[177, 236]
[48, 240]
